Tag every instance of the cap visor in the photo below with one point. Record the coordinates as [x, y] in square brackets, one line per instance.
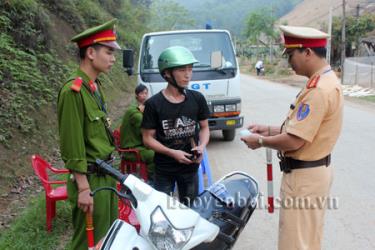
[111, 44]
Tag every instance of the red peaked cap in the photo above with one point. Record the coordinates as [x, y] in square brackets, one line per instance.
[303, 37]
[294, 42]
[102, 36]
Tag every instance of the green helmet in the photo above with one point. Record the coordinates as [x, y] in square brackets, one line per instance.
[175, 56]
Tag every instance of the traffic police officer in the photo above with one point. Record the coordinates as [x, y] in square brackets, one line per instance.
[305, 140]
[85, 135]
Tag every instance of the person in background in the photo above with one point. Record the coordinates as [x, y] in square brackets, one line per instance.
[130, 131]
[175, 126]
[305, 140]
[85, 134]
[259, 67]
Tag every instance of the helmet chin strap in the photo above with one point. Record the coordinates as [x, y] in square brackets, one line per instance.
[174, 84]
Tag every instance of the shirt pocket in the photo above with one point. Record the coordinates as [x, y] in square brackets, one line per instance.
[94, 124]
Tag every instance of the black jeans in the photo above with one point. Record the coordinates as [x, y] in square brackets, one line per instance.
[187, 185]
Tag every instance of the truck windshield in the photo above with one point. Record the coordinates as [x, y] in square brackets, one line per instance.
[199, 43]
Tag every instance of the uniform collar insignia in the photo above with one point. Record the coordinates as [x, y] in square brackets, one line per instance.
[92, 86]
[313, 82]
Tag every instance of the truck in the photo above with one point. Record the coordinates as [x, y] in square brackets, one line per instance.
[216, 76]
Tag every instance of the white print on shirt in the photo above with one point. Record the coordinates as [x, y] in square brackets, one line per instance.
[181, 127]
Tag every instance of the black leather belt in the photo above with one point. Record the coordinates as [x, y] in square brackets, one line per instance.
[287, 164]
[93, 168]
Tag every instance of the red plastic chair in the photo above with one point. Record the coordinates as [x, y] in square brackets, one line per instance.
[40, 167]
[137, 167]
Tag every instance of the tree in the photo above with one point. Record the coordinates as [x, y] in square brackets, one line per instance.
[260, 23]
[169, 15]
[355, 29]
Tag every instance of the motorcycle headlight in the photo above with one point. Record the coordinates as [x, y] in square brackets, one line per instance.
[163, 235]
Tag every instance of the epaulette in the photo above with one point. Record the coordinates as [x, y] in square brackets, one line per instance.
[313, 82]
[77, 84]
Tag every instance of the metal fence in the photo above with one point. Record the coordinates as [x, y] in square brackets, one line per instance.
[360, 71]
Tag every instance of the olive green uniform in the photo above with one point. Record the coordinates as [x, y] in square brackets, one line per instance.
[131, 137]
[84, 138]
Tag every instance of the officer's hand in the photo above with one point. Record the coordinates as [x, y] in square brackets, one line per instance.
[251, 141]
[85, 201]
[259, 129]
[182, 156]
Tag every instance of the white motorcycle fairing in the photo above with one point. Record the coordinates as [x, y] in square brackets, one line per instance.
[122, 236]
[180, 217]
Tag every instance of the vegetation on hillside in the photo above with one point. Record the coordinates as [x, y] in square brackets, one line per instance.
[35, 58]
[232, 15]
[25, 63]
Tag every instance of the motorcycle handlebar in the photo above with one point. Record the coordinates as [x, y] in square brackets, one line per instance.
[108, 169]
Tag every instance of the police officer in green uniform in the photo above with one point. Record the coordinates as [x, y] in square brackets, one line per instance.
[131, 136]
[85, 135]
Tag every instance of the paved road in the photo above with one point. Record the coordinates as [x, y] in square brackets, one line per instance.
[351, 225]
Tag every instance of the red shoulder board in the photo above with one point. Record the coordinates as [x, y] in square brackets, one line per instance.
[76, 86]
[313, 82]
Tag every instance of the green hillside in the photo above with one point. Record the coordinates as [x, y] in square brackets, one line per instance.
[35, 57]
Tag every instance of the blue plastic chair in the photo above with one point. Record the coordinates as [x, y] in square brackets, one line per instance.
[204, 170]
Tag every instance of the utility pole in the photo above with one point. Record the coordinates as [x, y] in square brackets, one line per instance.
[343, 40]
[328, 56]
[357, 40]
[270, 37]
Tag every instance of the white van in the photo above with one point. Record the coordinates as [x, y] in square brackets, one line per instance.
[216, 76]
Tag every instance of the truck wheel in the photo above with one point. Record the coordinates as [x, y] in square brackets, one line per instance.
[229, 134]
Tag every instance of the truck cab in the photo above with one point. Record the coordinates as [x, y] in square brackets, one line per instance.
[216, 75]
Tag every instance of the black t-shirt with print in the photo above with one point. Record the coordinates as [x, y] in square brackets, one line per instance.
[175, 125]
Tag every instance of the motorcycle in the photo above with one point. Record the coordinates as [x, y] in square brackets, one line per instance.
[214, 221]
